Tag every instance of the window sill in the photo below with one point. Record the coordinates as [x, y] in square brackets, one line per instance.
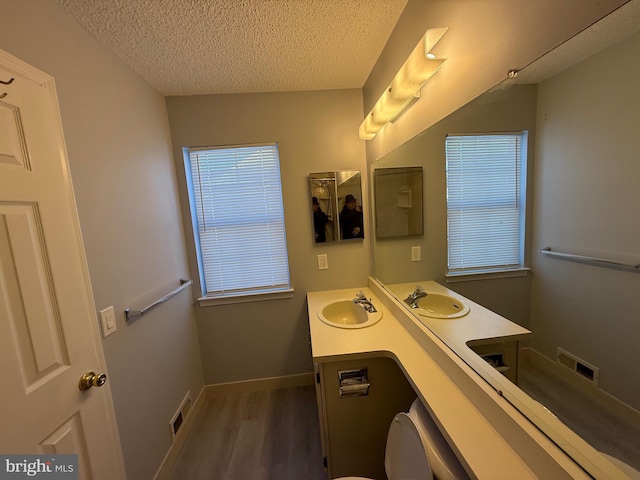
[211, 300]
[487, 274]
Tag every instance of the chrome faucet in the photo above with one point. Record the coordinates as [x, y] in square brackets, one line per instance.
[417, 294]
[361, 299]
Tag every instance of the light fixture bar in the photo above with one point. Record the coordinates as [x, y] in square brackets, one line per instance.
[405, 87]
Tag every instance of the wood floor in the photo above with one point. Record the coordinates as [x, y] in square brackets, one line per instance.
[602, 429]
[261, 435]
[274, 434]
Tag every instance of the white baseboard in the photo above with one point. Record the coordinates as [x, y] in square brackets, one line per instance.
[604, 399]
[258, 384]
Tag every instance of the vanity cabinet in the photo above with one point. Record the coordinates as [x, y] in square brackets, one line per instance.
[354, 425]
[503, 356]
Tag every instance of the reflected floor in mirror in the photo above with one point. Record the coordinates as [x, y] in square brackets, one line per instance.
[268, 434]
[602, 428]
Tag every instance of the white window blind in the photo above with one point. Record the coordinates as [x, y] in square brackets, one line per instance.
[236, 197]
[485, 214]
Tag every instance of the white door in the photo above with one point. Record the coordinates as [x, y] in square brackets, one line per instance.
[48, 327]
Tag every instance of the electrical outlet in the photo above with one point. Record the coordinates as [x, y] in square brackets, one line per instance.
[323, 262]
[108, 321]
[416, 254]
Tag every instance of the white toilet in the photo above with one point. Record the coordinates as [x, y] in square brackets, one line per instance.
[416, 450]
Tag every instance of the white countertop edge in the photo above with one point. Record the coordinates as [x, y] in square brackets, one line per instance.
[550, 431]
[490, 436]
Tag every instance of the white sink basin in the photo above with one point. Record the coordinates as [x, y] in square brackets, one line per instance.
[346, 314]
[436, 305]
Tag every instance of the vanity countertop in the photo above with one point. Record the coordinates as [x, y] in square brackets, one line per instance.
[480, 325]
[488, 452]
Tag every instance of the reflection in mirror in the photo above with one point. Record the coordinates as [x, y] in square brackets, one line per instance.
[336, 204]
[398, 201]
[350, 204]
[583, 182]
[323, 206]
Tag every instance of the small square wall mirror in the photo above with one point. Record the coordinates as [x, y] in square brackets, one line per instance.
[336, 206]
[398, 201]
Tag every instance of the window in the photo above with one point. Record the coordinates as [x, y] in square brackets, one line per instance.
[485, 202]
[238, 219]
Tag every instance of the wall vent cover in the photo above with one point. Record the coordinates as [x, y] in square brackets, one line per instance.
[180, 415]
[578, 366]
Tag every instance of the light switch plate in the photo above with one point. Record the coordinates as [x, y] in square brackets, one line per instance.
[416, 254]
[323, 262]
[108, 321]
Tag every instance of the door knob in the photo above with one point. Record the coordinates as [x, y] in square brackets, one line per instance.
[90, 379]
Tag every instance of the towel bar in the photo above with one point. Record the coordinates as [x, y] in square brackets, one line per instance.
[131, 315]
[601, 262]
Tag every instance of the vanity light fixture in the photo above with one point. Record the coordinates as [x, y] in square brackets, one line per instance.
[405, 87]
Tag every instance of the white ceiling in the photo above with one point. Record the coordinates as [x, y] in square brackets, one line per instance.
[190, 47]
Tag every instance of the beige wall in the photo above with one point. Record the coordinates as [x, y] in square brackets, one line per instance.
[485, 39]
[316, 132]
[123, 174]
[586, 199]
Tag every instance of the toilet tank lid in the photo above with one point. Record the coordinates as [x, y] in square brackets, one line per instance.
[405, 455]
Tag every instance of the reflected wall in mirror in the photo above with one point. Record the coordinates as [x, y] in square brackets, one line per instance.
[398, 201]
[582, 179]
[336, 205]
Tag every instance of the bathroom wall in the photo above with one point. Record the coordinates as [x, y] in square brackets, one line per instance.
[586, 200]
[316, 132]
[124, 178]
[485, 39]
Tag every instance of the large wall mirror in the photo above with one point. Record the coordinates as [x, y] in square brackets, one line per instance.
[336, 206]
[580, 183]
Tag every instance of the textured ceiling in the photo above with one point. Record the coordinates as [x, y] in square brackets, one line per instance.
[189, 47]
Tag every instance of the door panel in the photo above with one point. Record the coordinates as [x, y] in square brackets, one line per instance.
[69, 439]
[13, 149]
[29, 294]
[47, 316]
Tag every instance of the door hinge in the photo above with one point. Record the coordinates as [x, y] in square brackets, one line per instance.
[318, 377]
[324, 462]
